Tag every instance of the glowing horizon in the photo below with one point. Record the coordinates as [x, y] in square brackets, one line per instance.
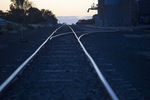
[60, 7]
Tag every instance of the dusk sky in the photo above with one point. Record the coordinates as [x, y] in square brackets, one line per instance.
[60, 7]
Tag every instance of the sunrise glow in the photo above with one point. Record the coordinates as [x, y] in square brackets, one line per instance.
[60, 7]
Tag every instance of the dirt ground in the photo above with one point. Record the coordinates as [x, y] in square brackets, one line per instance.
[17, 47]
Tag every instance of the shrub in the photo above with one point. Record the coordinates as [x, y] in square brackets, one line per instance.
[9, 27]
[30, 27]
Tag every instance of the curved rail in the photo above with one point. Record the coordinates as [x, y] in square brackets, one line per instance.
[84, 35]
[61, 34]
[5, 84]
[99, 73]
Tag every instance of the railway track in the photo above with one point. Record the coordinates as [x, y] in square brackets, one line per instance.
[60, 68]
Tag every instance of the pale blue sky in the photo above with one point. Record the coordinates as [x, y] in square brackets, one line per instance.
[60, 7]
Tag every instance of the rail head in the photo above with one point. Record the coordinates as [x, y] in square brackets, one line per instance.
[8, 81]
[99, 73]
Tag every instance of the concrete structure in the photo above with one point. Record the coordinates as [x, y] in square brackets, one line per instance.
[116, 12]
[119, 12]
[143, 11]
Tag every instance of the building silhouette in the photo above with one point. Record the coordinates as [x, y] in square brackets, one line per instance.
[122, 12]
[144, 11]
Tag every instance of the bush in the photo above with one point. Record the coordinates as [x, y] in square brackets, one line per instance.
[30, 27]
[9, 27]
[1, 30]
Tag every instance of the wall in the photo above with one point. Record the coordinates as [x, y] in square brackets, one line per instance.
[119, 12]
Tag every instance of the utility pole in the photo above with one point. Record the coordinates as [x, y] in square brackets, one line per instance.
[101, 8]
[138, 11]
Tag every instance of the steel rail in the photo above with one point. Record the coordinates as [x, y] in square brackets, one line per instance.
[6, 83]
[115, 28]
[61, 34]
[99, 73]
[85, 34]
[110, 28]
[125, 28]
[88, 32]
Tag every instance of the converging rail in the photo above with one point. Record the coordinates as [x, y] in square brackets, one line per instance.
[5, 84]
[102, 79]
[100, 75]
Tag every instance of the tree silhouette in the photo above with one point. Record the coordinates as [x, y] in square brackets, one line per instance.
[49, 16]
[18, 10]
[1, 13]
[20, 4]
[21, 11]
[34, 15]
